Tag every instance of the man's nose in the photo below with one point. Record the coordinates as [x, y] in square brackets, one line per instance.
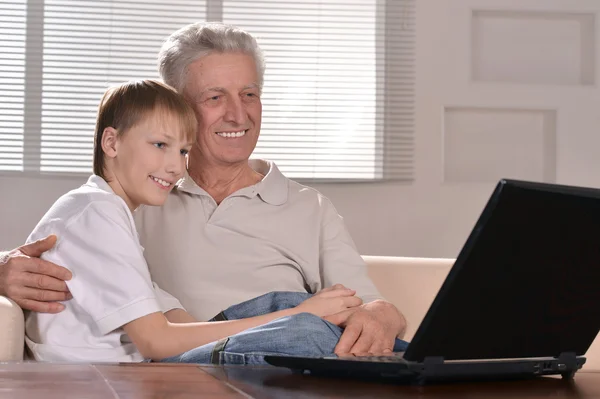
[236, 112]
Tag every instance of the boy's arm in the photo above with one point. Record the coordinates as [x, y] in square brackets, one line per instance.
[171, 307]
[179, 316]
[157, 337]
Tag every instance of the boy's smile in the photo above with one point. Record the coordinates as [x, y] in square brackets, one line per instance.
[163, 184]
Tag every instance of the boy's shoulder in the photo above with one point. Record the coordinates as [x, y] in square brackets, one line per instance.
[84, 204]
[73, 203]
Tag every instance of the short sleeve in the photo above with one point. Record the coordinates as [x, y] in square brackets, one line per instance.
[166, 301]
[111, 281]
[339, 260]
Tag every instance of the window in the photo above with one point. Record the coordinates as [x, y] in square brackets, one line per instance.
[338, 100]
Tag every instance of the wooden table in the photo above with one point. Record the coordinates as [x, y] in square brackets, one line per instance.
[54, 381]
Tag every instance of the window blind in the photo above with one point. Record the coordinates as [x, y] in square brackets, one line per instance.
[88, 46]
[12, 83]
[333, 106]
[339, 86]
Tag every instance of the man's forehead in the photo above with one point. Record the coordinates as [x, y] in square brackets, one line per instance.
[223, 64]
[226, 89]
[223, 72]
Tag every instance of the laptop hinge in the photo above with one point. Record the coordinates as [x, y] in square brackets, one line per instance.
[568, 359]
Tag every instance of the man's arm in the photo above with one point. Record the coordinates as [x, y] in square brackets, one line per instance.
[374, 326]
[33, 283]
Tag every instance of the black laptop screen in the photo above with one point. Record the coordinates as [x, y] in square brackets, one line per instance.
[526, 283]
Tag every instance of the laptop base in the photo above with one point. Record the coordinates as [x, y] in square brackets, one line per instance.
[433, 370]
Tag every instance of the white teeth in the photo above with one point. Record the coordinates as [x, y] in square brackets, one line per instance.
[232, 134]
[161, 181]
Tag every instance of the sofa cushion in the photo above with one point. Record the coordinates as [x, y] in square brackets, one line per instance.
[409, 283]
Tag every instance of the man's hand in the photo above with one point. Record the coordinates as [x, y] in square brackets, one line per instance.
[371, 328]
[33, 283]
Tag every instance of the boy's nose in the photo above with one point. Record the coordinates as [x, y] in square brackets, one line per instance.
[175, 165]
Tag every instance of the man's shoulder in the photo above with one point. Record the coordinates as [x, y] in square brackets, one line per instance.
[297, 193]
[300, 194]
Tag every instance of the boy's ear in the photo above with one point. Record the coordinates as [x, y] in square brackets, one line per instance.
[110, 142]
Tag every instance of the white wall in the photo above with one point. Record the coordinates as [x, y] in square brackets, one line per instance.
[433, 215]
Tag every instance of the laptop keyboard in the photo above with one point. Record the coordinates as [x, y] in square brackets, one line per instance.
[392, 358]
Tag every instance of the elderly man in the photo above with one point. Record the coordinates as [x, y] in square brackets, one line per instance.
[233, 229]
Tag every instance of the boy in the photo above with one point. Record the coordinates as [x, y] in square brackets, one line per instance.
[143, 134]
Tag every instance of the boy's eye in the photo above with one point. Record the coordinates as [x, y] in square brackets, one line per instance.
[184, 152]
[160, 145]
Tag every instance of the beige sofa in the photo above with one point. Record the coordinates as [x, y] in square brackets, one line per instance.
[409, 283]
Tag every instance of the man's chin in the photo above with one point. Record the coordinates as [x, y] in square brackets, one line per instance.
[236, 158]
[228, 157]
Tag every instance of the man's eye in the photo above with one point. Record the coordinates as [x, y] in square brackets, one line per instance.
[214, 98]
[184, 152]
[250, 97]
[159, 145]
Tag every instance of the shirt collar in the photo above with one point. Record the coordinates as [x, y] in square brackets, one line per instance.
[188, 185]
[272, 189]
[101, 184]
[98, 182]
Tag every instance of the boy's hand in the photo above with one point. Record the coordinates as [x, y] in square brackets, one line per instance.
[330, 301]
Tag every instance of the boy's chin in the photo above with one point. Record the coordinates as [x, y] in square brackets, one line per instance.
[155, 201]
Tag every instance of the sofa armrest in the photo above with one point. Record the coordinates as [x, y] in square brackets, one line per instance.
[12, 332]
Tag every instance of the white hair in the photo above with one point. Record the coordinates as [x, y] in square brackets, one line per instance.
[198, 40]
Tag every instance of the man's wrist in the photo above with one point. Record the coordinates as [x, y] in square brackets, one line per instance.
[388, 313]
[4, 258]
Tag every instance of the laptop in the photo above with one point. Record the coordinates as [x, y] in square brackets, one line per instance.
[521, 300]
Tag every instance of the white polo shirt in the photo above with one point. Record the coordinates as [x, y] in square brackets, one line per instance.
[276, 235]
[111, 285]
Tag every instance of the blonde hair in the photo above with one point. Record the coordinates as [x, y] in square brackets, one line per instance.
[124, 106]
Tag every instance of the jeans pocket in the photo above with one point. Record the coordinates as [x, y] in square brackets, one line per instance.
[231, 358]
[256, 358]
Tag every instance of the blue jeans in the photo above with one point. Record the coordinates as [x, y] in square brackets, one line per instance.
[303, 334]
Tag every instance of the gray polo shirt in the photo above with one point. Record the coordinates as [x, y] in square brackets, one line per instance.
[276, 235]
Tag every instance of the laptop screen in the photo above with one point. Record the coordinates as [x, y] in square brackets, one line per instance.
[526, 283]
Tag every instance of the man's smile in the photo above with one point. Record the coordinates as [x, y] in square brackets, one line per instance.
[232, 135]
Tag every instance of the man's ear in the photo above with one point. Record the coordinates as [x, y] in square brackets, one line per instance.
[110, 139]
